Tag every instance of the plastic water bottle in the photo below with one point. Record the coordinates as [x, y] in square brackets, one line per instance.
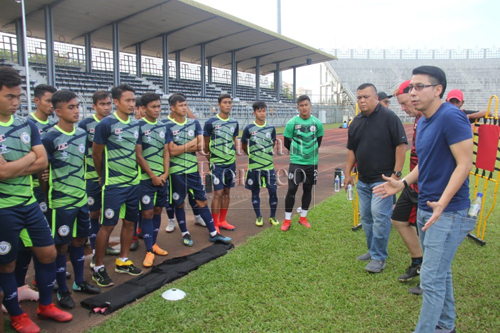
[350, 192]
[337, 184]
[299, 210]
[475, 206]
[342, 179]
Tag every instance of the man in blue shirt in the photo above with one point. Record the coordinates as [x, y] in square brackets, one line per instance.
[444, 148]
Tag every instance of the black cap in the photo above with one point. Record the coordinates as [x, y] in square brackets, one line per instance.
[382, 95]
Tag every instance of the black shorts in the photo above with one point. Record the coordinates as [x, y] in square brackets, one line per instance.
[307, 174]
[406, 207]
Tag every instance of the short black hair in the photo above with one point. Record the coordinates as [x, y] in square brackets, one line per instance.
[116, 92]
[436, 76]
[259, 105]
[176, 98]
[223, 96]
[138, 101]
[366, 85]
[41, 89]
[62, 96]
[148, 98]
[177, 93]
[303, 98]
[99, 95]
[9, 77]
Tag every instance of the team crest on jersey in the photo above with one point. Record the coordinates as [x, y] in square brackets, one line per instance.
[232, 129]
[312, 128]
[175, 195]
[63, 230]
[136, 134]
[109, 213]
[2, 138]
[43, 207]
[250, 182]
[268, 135]
[25, 138]
[5, 248]
[216, 181]
[191, 133]
[162, 134]
[90, 201]
[62, 146]
[81, 148]
[146, 199]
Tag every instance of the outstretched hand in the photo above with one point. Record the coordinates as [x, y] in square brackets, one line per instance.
[390, 187]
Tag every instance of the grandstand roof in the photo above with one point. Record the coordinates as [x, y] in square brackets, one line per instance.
[187, 23]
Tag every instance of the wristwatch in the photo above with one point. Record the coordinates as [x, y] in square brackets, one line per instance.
[397, 173]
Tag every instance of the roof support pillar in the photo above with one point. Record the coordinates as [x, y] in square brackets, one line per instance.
[88, 52]
[234, 74]
[138, 59]
[20, 42]
[164, 38]
[294, 94]
[116, 53]
[209, 70]
[257, 78]
[203, 74]
[49, 42]
[178, 65]
[277, 82]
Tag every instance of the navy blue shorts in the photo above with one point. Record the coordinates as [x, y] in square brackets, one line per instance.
[153, 196]
[94, 194]
[26, 223]
[256, 179]
[182, 184]
[120, 202]
[67, 224]
[223, 176]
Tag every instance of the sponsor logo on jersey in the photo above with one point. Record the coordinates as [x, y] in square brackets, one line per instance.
[147, 132]
[63, 230]
[62, 146]
[4, 248]
[3, 149]
[297, 126]
[92, 130]
[118, 131]
[175, 132]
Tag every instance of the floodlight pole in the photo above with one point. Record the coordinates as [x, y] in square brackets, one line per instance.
[278, 88]
[26, 63]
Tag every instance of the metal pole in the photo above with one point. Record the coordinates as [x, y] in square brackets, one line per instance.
[234, 74]
[178, 65]
[257, 78]
[26, 63]
[166, 88]
[203, 65]
[116, 54]
[20, 42]
[279, 16]
[49, 49]
[88, 53]
[294, 84]
[138, 59]
[209, 70]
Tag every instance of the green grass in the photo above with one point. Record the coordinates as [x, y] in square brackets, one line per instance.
[308, 280]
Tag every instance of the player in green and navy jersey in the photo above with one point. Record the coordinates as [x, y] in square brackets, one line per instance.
[192, 202]
[152, 157]
[22, 155]
[101, 102]
[184, 139]
[219, 134]
[114, 157]
[66, 194]
[257, 142]
[303, 134]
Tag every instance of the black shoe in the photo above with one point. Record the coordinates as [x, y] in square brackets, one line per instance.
[102, 278]
[440, 329]
[112, 251]
[410, 273]
[416, 290]
[65, 300]
[86, 287]
[68, 275]
[127, 268]
[135, 245]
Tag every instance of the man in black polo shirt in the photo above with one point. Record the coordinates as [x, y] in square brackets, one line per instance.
[377, 143]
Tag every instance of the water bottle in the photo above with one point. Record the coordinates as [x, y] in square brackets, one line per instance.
[342, 179]
[337, 184]
[475, 206]
[350, 192]
[299, 210]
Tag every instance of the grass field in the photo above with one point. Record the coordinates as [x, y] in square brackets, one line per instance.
[308, 280]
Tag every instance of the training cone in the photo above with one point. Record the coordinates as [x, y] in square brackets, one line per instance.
[173, 294]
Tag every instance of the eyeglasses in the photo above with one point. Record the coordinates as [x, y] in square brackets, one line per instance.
[419, 86]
